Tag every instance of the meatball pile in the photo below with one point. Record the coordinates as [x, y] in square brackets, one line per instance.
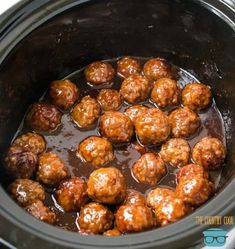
[147, 111]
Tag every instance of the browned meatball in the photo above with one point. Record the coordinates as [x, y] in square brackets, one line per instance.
[135, 88]
[157, 68]
[109, 99]
[51, 169]
[99, 72]
[71, 194]
[139, 147]
[176, 152]
[209, 153]
[134, 198]
[95, 218]
[196, 96]
[116, 126]
[156, 196]
[26, 191]
[31, 142]
[149, 169]
[152, 127]
[43, 117]
[194, 190]
[191, 171]
[86, 112]
[112, 232]
[166, 92]
[63, 93]
[19, 162]
[127, 66]
[170, 210]
[96, 150]
[107, 185]
[184, 122]
[135, 111]
[41, 212]
[134, 218]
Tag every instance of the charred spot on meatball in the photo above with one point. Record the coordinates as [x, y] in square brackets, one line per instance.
[112, 232]
[133, 112]
[127, 66]
[134, 198]
[109, 99]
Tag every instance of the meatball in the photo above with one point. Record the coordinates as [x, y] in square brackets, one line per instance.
[191, 171]
[149, 169]
[51, 169]
[95, 218]
[19, 162]
[152, 127]
[157, 68]
[109, 99]
[112, 232]
[194, 190]
[43, 117]
[26, 191]
[209, 153]
[166, 92]
[63, 93]
[135, 88]
[116, 126]
[170, 210]
[196, 96]
[32, 142]
[135, 111]
[134, 218]
[86, 112]
[96, 150]
[184, 122]
[139, 147]
[128, 66]
[176, 152]
[134, 198]
[71, 194]
[41, 212]
[107, 185]
[156, 196]
[99, 72]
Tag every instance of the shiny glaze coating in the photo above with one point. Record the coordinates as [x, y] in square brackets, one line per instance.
[134, 111]
[109, 99]
[112, 232]
[127, 66]
[134, 197]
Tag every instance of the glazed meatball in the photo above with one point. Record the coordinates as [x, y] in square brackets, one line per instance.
[96, 150]
[194, 190]
[209, 153]
[134, 198]
[32, 142]
[41, 212]
[135, 111]
[184, 122]
[191, 171]
[71, 194]
[166, 92]
[19, 162]
[128, 66]
[112, 232]
[176, 152]
[134, 218]
[156, 196]
[149, 169]
[139, 147]
[26, 191]
[157, 68]
[43, 117]
[196, 96]
[152, 127]
[99, 72]
[86, 112]
[63, 93]
[107, 185]
[135, 88]
[116, 126]
[109, 99]
[95, 218]
[170, 210]
[51, 169]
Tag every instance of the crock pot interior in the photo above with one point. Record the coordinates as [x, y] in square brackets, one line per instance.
[183, 32]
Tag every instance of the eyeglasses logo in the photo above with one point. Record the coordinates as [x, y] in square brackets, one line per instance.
[215, 237]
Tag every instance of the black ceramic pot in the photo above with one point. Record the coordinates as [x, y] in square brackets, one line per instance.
[45, 40]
